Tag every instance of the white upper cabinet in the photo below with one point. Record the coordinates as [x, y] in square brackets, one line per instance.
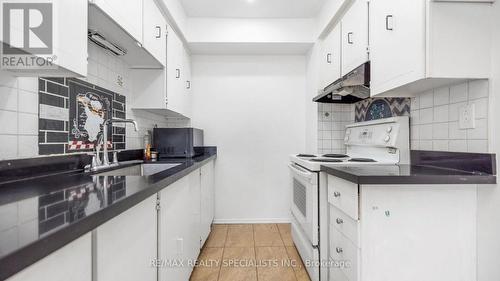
[355, 36]
[165, 90]
[127, 14]
[176, 76]
[154, 31]
[416, 45]
[330, 62]
[68, 56]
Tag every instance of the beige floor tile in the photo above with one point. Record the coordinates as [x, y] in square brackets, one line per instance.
[273, 264]
[217, 237]
[298, 265]
[267, 235]
[286, 234]
[238, 274]
[238, 264]
[240, 235]
[209, 265]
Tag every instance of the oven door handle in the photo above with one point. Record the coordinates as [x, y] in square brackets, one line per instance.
[301, 171]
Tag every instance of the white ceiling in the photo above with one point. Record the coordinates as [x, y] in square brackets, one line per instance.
[252, 8]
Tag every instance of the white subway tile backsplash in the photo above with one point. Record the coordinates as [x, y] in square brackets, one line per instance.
[331, 132]
[10, 124]
[478, 89]
[481, 108]
[477, 146]
[435, 125]
[8, 98]
[28, 102]
[9, 141]
[426, 132]
[427, 99]
[426, 145]
[441, 113]
[426, 115]
[458, 93]
[458, 145]
[455, 133]
[440, 145]
[440, 131]
[453, 111]
[480, 132]
[28, 146]
[441, 96]
[28, 124]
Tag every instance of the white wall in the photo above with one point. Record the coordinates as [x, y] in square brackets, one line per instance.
[312, 82]
[489, 196]
[252, 108]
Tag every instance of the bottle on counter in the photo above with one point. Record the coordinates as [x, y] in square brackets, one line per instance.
[147, 146]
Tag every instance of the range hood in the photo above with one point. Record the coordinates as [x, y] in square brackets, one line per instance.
[353, 87]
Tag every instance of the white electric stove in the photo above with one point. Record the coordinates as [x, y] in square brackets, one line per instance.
[378, 142]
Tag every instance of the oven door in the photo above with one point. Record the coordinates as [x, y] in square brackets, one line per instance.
[304, 205]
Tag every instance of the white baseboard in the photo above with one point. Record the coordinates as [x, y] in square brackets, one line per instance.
[251, 221]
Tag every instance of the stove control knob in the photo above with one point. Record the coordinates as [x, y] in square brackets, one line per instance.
[389, 129]
[387, 138]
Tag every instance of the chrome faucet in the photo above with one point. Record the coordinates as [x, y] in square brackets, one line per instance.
[97, 163]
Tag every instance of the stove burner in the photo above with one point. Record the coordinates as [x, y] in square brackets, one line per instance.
[306, 155]
[335, 156]
[361, 160]
[326, 160]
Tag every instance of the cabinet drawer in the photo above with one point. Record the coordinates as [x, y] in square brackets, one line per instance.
[343, 250]
[345, 224]
[343, 195]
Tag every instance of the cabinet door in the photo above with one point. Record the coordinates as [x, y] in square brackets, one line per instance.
[355, 36]
[194, 210]
[127, 14]
[186, 71]
[175, 222]
[126, 245]
[207, 200]
[154, 31]
[69, 42]
[397, 43]
[175, 79]
[331, 59]
[74, 259]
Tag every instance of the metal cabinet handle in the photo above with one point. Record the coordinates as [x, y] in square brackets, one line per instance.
[339, 250]
[336, 194]
[177, 73]
[329, 58]
[349, 38]
[158, 34]
[339, 221]
[188, 84]
[387, 26]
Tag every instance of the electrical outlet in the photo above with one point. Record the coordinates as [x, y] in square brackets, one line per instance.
[467, 116]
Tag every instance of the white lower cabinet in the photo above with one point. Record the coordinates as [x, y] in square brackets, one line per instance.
[207, 200]
[74, 259]
[400, 227]
[181, 228]
[126, 245]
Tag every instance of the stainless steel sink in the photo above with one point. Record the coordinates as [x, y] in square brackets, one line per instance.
[139, 170]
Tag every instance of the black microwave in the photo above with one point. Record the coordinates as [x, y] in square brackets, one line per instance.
[178, 142]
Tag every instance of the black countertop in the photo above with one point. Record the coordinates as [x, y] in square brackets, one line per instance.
[427, 167]
[406, 174]
[44, 214]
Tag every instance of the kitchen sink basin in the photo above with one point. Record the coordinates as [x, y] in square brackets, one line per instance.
[139, 170]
